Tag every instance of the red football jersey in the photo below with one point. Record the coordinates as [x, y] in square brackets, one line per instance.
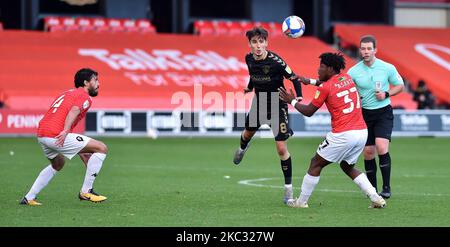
[53, 121]
[342, 100]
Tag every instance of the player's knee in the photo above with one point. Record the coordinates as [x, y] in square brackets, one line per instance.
[382, 149]
[345, 167]
[283, 153]
[314, 162]
[247, 135]
[103, 148]
[369, 153]
[314, 168]
[58, 163]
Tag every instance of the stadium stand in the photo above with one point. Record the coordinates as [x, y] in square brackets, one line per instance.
[85, 24]
[233, 28]
[153, 77]
[418, 53]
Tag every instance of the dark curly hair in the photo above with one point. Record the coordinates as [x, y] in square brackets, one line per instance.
[334, 60]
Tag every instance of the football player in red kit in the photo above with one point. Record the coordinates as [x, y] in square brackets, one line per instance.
[57, 140]
[348, 136]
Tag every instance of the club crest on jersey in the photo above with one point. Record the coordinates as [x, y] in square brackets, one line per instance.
[86, 104]
[341, 78]
[316, 96]
[266, 69]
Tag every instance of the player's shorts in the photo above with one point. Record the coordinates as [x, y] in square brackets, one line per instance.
[73, 144]
[380, 123]
[279, 125]
[347, 146]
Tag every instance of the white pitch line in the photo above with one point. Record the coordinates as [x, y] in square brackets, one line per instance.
[254, 182]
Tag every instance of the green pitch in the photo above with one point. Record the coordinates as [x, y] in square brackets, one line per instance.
[193, 182]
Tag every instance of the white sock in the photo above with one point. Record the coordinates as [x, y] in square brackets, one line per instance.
[288, 187]
[93, 167]
[41, 181]
[364, 184]
[308, 185]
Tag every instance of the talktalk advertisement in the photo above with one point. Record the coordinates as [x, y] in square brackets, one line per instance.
[138, 71]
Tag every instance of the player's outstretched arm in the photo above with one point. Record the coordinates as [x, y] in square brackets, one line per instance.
[309, 81]
[297, 86]
[288, 97]
[70, 119]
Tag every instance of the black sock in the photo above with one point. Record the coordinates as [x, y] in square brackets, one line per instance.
[371, 171]
[286, 167]
[244, 143]
[385, 167]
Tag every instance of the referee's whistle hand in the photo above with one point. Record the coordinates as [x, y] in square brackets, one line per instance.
[380, 95]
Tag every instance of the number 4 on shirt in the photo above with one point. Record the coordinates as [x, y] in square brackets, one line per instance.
[57, 103]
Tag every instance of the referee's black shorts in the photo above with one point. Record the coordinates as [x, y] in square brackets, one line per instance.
[379, 123]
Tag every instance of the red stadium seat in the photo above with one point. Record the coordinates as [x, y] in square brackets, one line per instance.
[275, 29]
[203, 28]
[145, 26]
[69, 24]
[234, 28]
[100, 25]
[53, 24]
[220, 27]
[84, 24]
[115, 25]
[246, 25]
[130, 25]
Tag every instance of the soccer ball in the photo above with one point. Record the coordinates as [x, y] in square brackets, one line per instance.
[293, 27]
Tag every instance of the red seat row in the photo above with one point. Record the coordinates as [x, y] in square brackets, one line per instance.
[233, 28]
[84, 24]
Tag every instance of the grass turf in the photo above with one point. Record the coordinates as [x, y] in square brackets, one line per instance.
[184, 182]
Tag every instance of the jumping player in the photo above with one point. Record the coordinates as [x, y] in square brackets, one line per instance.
[267, 72]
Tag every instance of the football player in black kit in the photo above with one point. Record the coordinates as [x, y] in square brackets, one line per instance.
[267, 72]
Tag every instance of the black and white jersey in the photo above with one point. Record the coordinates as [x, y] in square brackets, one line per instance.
[267, 75]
